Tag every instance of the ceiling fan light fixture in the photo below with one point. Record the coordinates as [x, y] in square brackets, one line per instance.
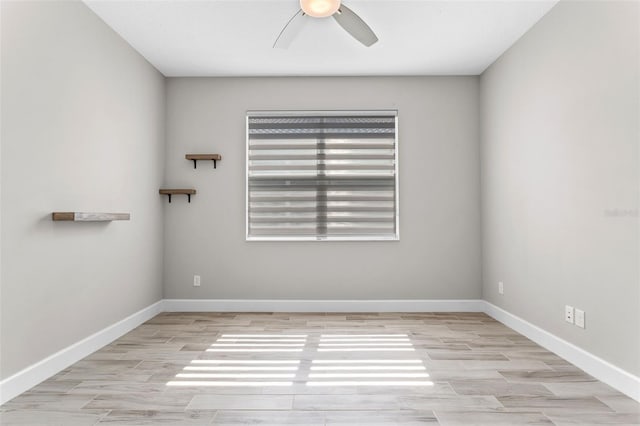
[319, 8]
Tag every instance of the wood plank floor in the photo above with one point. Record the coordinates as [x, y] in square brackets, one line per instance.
[322, 369]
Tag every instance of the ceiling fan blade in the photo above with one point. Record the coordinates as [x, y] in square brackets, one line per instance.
[290, 30]
[355, 26]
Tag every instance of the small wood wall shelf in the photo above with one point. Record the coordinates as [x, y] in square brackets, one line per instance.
[88, 217]
[170, 192]
[196, 157]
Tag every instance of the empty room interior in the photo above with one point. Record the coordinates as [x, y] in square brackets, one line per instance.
[320, 212]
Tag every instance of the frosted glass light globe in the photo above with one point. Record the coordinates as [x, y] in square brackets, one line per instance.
[319, 8]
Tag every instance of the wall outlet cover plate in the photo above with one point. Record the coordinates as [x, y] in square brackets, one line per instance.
[579, 317]
[568, 314]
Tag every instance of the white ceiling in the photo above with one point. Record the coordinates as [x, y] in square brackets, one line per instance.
[234, 37]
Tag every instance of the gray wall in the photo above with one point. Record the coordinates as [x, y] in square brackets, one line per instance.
[82, 129]
[438, 255]
[560, 180]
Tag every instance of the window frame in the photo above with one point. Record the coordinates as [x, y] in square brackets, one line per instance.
[306, 113]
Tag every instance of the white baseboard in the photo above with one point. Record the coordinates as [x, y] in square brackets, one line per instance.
[241, 305]
[602, 370]
[608, 373]
[29, 377]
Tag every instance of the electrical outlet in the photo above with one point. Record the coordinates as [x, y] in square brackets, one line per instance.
[196, 280]
[580, 318]
[568, 314]
[500, 287]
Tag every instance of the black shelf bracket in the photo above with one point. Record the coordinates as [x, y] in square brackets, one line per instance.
[195, 163]
[171, 192]
[196, 157]
[188, 197]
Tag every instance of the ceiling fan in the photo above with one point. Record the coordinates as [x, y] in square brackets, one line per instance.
[344, 16]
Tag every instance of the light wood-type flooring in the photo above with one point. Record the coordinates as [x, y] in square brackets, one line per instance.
[322, 369]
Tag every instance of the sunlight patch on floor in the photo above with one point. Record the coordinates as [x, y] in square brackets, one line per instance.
[375, 371]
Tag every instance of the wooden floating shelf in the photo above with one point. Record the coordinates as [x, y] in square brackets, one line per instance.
[196, 157]
[170, 192]
[89, 217]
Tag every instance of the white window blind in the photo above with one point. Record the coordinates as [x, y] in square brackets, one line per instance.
[322, 175]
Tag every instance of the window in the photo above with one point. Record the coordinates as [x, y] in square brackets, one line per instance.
[322, 175]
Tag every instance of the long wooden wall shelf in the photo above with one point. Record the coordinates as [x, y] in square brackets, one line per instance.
[170, 192]
[89, 216]
[196, 157]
